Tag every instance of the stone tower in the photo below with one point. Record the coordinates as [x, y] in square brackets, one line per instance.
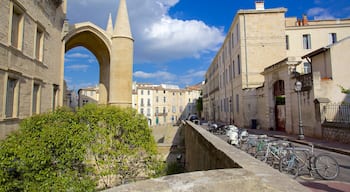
[121, 60]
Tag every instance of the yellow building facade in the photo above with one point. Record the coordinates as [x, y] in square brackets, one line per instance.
[165, 104]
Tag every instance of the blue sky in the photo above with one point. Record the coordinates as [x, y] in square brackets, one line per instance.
[175, 40]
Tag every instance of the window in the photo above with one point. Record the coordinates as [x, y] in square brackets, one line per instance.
[148, 112]
[164, 99]
[142, 102]
[233, 40]
[238, 64]
[287, 42]
[157, 99]
[39, 44]
[164, 110]
[157, 110]
[141, 111]
[148, 92]
[237, 32]
[332, 38]
[307, 68]
[36, 99]
[12, 98]
[85, 101]
[233, 69]
[307, 41]
[141, 92]
[173, 109]
[17, 27]
[148, 102]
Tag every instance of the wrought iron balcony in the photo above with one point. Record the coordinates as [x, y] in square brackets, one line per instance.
[306, 81]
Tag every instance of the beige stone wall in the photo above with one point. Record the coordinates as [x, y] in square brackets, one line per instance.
[22, 63]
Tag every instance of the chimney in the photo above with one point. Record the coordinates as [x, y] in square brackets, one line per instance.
[259, 5]
[304, 20]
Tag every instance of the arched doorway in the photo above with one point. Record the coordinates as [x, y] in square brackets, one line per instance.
[280, 105]
[94, 39]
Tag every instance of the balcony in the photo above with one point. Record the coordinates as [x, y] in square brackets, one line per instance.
[306, 81]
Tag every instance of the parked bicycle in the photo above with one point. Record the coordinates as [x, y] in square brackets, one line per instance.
[299, 159]
[274, 151]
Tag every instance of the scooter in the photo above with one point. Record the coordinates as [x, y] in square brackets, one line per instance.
[236, 136]
[232, 133]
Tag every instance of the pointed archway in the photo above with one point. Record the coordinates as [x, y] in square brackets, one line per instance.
[97, 42]
[114, 53]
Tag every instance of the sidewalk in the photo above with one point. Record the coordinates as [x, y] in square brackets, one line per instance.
[318, 143]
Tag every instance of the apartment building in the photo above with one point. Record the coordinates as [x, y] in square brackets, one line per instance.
[257, 43]
[165, 104]
[31, 59]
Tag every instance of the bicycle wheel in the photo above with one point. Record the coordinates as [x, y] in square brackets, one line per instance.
[261, 155]
[289, 165]
[326, 166]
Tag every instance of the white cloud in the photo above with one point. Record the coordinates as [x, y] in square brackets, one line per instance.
[158, 37]
[77, 67]
[163, 75]
[319, 13]
[77, 56]
[189, 78]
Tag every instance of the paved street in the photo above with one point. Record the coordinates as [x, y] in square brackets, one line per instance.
[341, 183]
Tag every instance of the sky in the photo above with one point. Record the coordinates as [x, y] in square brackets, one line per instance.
[175, 40]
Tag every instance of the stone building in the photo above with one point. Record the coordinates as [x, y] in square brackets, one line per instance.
[255, 69]
[31, 59]
[33, 40]
[165, 104]
[88, 95]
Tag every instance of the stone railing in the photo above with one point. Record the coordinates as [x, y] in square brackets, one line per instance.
[216, 166]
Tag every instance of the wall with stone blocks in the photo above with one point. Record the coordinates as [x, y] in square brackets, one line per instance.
[206, 151]
[336, 132]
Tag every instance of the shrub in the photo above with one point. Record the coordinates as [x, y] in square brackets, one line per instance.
[99, 146]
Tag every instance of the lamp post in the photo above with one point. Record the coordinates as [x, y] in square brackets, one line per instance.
[298, 86]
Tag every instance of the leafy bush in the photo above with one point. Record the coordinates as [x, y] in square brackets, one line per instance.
[97, 147]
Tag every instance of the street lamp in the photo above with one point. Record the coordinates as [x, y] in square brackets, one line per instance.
[298, 86]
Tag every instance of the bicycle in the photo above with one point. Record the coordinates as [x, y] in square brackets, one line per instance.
[275, 150]
[298, 159]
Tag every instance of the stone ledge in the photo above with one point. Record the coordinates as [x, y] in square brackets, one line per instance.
[223, 180]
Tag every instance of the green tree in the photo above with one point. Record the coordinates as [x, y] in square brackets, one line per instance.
[343, 90]
[97, 147]
[46, 154]
[123, 148]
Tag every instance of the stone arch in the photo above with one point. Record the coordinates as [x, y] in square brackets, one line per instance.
[99, 43]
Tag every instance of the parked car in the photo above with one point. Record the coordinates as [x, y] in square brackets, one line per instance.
[192, 118]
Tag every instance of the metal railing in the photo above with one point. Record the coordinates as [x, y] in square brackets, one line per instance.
[337, 112]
